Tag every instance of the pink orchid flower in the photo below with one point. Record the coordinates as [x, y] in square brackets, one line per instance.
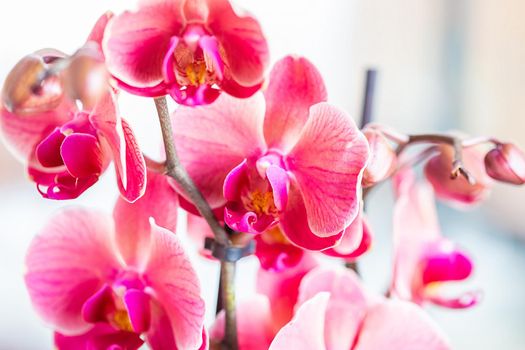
[106, 283]
[458, 191]
[335, 313]
[189, 49]
[425, 261]
[286, 159]
[67, 149]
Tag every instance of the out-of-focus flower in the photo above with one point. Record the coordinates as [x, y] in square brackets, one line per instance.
[458, 191]
[336, 313]
[382, 161]
[288, 159]
[425, 261]
[190, 49]
[261, 316]
[65, 148]
[506, 163]
[102, 282]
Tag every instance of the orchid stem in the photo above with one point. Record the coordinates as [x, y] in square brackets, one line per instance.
[228, 301]
[175, 170]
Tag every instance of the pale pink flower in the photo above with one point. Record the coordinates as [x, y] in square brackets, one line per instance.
[335, 313]
[189, 49]
[67, 149]
[383, 158]
[424, 261]
[286, 159]
[458, 191]
[101, 282]
[506, 163]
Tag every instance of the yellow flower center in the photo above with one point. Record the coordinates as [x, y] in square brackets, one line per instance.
[260, 203]
[121, 320]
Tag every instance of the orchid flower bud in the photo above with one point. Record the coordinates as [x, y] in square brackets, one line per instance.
[458, 190]
[506, 163]
[86, 77]
[26, 91]
[382, 161]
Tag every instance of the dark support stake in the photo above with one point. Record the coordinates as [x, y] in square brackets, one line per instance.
[368, 99]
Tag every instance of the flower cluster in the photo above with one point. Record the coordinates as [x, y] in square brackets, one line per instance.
[254, 159]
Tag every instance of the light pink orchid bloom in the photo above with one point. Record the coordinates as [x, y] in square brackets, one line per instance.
[113, 284]
[189, 49]
[286, 159]
[458, 191]
[67, 149]
[425, 261]
[335, 313]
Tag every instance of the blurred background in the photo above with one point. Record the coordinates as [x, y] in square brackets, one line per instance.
[443, 64]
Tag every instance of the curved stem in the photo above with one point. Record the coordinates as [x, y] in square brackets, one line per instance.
[175, 170]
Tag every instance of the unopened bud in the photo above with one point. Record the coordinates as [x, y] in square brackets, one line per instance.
[458, 190]
[382, 161]
[86, 77]
[506, 163]
[28, 90]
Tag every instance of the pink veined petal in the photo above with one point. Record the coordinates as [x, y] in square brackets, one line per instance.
[282, 288]
[176, 286]
[97, 33]
[132, 226]
[67, 263]
[294, 86]
[231, 87]
[346, 308]
[136, 43]
[415, 223]
[399, 325]
[328, 162]
[82, 155]
[254, 324]
[102, 336]
[243, 41]
[294, 224]
[306, 330]
[24, 133]
[195, 10]
[211, 140]
[130, 166]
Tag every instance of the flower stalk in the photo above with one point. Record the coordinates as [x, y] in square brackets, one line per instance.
[175, 170]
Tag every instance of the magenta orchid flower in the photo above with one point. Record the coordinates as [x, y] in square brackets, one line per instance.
[113, 284]
[459, 191]
[189, 49]
[425, 261]
[66, 149]
[335, 313]
[287, 159]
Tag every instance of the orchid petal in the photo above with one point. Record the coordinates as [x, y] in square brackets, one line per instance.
[138, 307]
[67, 263]
[294, 224]
[213, 139]
[241, 37]
[102, 336]
[306, 330]
[346, 308]
[97, 33]
[48, 151]
[399, 325]
[170, 274]
[132, 220]
[294, 86]
[282, 288]
[82, 155]
[136, 42]
[328, 163]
